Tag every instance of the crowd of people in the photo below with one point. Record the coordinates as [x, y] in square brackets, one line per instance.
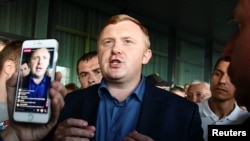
[117, 102]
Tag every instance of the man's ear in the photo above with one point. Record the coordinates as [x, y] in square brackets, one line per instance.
[147, 56]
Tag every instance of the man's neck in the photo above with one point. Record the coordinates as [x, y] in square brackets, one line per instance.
[221, 108]
[38, 80]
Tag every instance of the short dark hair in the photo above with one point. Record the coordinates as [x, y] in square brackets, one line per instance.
[86, 57]
[156, 80]
[177, 88]
[25, 62]
[219, 60]
[71, 86]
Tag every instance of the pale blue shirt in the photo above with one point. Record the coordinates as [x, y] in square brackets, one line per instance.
[116, 119]
[208, 117]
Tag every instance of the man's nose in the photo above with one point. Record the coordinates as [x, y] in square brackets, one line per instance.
[116, 48]
[91, 79]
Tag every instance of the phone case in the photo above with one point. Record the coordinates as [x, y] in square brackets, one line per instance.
[32, 103]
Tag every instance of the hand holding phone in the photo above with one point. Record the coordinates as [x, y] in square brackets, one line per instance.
[32, 103]
[27, 131]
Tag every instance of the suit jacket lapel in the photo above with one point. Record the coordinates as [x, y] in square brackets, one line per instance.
[90, 107]
[150, 111]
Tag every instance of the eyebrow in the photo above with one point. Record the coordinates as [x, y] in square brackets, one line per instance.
[83, 72]
[91, 70]
[97, 69]
[218, 70]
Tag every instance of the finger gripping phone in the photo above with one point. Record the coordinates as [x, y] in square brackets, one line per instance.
[35, 73]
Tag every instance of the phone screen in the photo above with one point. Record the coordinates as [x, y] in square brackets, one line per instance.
[34, 79]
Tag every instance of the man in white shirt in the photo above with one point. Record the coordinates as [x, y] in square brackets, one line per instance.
[198, 91]
[221, 108]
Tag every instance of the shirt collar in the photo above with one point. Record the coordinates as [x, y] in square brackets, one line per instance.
[42, 82]
[138, 92]
[232, 116]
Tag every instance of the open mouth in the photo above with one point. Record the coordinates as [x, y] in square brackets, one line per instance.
[38, 68]
[115, 62]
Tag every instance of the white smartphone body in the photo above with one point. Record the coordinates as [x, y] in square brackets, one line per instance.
[32, 101]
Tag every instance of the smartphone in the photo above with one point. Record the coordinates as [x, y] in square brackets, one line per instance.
[36, 71]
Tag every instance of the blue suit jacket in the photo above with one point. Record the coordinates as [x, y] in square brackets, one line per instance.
[163, 115]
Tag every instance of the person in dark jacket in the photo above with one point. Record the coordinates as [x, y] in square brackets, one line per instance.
[125, 105]
[37, 82]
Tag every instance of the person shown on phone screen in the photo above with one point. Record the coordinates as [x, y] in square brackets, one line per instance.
[38, 82]
[25, 68]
